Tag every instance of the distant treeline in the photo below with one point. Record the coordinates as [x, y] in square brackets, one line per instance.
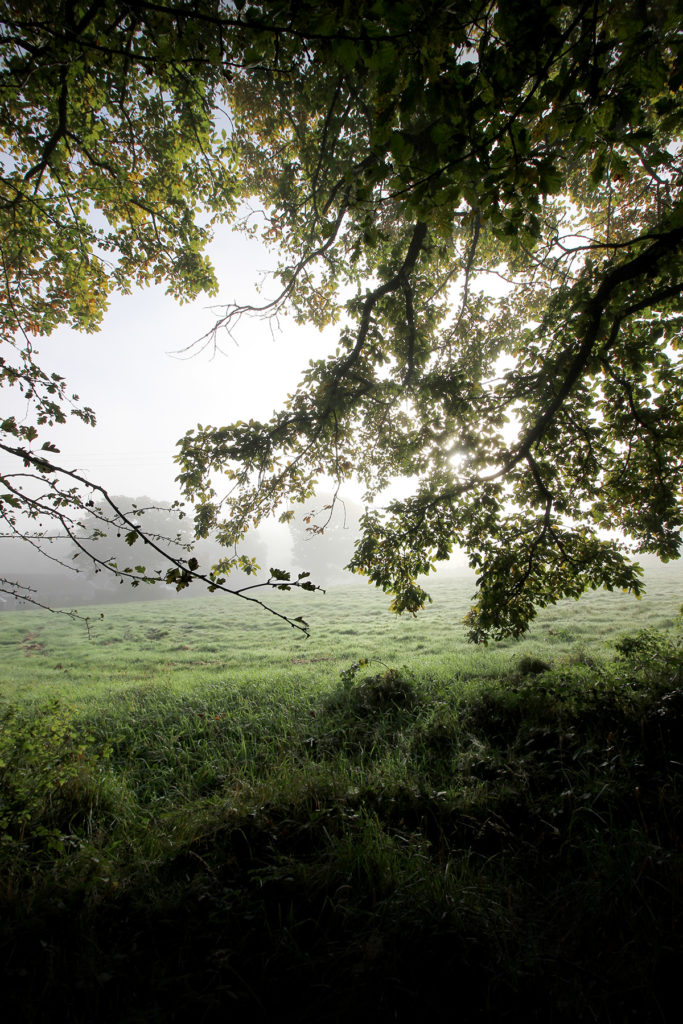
[319, 540]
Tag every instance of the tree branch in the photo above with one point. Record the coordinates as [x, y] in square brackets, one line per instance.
[43, 466]
[399, 279]
[643, 264]
[58, 134]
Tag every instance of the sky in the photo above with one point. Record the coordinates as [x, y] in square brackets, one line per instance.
[146, 393]
[145, 398]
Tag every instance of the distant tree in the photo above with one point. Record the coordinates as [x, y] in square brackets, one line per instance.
[398, 157]
[103, 546]
[101, 543]
[254, 553]
[324, 532]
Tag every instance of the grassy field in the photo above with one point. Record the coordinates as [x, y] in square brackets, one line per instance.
[203, 818]
[210, 640]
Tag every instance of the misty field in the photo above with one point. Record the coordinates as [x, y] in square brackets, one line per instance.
[204, 818]
[222, 640]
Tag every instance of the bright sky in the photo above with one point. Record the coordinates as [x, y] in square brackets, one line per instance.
[145, 399]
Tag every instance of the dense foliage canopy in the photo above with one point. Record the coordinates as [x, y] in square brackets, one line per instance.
[400, 157]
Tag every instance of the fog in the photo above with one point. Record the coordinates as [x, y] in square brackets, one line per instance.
[56, 574]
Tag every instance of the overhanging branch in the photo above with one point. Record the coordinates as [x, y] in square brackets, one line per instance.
[43, 466]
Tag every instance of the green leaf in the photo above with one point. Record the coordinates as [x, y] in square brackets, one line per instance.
[598, 167]
[400, 147]
[346, 53]
[551, 182]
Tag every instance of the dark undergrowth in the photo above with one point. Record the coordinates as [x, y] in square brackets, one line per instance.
[506, 849]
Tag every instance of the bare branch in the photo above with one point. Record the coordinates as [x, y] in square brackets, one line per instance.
[186, 573]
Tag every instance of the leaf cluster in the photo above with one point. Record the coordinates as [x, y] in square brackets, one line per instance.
[399, 158]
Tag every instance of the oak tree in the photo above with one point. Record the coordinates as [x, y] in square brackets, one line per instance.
[399, 157]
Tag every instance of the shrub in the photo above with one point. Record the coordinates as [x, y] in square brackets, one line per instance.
[530, 666]
[49, 778]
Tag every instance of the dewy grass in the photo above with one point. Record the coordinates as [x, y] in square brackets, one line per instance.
[195, 642]
[312, 832]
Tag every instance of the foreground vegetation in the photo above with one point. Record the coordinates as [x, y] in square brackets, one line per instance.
[506, 837]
